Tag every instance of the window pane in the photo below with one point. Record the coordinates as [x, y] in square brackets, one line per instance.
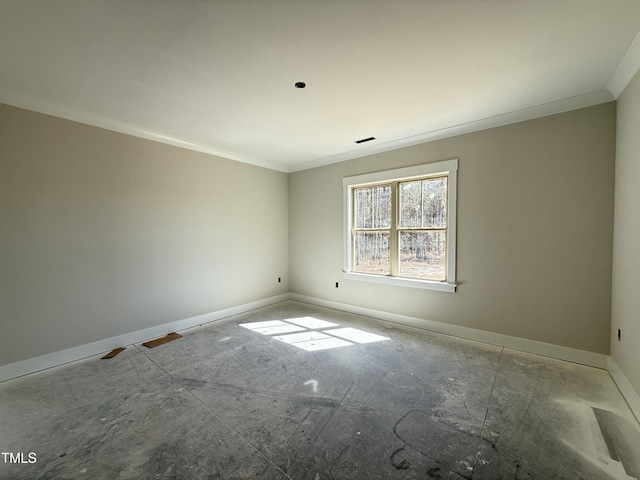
[372, 207]
[410, 204]
[423, 255]
[371, 252]
[434, 202]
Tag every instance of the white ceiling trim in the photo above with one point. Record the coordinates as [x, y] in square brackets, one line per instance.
[74, 115]
[565, 105]
[628, 67]
[560, 106]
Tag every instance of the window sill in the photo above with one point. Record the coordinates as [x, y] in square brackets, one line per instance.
[402, 282]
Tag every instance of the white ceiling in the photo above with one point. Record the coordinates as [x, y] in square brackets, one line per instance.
[218, 76]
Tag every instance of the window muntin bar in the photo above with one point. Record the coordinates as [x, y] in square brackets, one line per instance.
[399, 228]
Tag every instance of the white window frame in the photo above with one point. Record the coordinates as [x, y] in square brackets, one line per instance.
[446, 167]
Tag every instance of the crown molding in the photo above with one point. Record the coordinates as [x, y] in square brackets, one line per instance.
[68, 113]
[560, 106]
[628, 67]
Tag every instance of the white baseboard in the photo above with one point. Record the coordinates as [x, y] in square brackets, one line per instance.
[627, 390]
[574, 355]
[43, 362]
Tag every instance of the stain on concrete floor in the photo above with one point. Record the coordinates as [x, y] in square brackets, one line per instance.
[225, 402]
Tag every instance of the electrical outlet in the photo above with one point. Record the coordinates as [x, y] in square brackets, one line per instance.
[336, 284]
[279, 280]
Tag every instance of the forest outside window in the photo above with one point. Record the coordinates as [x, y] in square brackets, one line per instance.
[400, 226]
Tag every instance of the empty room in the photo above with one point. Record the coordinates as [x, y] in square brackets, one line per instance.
[319, 239]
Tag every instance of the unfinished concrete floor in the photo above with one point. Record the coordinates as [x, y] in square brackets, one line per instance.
[230, 402]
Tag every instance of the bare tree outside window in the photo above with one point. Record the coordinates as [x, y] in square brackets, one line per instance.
[372, 226]
[422, 228]
[416, 238]
[400, 226]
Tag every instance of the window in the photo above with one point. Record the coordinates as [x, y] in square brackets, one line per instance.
[400, 226]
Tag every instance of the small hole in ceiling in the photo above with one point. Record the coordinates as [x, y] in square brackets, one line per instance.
[300, 85]
[365, 140]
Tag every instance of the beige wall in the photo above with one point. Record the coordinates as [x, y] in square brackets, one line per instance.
[103, 234]
[626, 251]
[535, 222]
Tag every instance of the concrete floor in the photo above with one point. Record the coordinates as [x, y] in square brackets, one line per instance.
[228, 402]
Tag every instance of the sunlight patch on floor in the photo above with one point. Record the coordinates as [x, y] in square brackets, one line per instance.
[310, 322]
[308, 338]
[272, 327]
[355, 335]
